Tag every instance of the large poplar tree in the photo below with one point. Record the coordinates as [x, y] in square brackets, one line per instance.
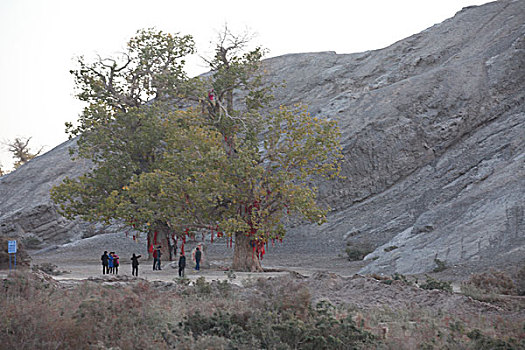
[229, 166]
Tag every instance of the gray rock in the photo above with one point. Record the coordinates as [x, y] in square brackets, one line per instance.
[433, 135]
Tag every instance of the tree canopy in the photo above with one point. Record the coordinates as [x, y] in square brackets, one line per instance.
[174, 156]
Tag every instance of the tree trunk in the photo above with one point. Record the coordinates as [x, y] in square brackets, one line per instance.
[163, 238]
[244, 258]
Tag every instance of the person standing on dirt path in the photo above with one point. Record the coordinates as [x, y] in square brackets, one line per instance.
[198, 257]
[159, 254]
[155, 259]
[105, 258]
[135, 265]
[115, 263]
[110, 262]
[182, 264]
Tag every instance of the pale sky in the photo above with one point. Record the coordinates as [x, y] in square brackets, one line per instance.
[39, 40]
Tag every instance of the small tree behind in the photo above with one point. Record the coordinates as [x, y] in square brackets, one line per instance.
[19, 147]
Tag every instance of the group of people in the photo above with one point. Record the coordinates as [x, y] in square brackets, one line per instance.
[110, 262]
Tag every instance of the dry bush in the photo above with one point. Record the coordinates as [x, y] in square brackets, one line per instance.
[520, 280]
[497, 282]
[425, 328]
[276, 313]
[40, 315]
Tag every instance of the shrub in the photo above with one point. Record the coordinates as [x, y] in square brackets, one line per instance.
[494, 282]
[432, 283]
[358, 251]
[441, 266]
[231, 275]
[389, 249]
[476, 293]
[32, 242]
[520, 281]
[268, 328]
[482, 342]
[201, 286]
[49, 268]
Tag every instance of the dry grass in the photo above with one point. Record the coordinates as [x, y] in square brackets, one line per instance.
[39, 313]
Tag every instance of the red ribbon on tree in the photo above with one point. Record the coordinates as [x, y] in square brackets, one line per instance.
[155, 237]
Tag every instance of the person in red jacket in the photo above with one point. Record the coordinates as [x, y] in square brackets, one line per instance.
[115, 263]
[156, 258]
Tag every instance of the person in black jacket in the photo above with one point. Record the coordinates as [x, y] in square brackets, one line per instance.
[182, 264]
[198, 256]
[135, 265]
[159, 254]
[104, 258]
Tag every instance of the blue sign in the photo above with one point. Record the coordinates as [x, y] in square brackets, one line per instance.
[11, 247]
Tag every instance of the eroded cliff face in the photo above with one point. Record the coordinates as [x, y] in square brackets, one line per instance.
[433, 134]
[26, 209]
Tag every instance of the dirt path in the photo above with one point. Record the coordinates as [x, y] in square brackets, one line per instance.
[81, 260]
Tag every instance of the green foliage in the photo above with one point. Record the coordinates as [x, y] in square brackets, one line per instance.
[432, 283]
[151, 68]
[320, 329]
[395, 277]
[202, 286]
[357, 252]
[441, 266]
[158, 167]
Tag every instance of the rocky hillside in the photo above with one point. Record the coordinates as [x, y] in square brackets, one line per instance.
[433, 134]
